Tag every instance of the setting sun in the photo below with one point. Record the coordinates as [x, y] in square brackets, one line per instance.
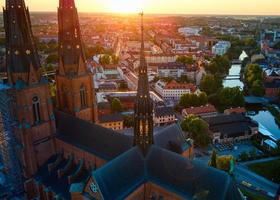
[124, 6]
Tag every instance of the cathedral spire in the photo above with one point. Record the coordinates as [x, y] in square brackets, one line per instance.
[75, 89]
[70, 43]
[143, 117]
[22, 60]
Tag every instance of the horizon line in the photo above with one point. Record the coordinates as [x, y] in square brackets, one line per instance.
[150, 13]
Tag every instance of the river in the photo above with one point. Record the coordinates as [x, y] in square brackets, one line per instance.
[233, 78]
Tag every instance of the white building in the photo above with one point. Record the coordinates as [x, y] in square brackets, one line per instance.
[187, 31]
[221, 48]
[174, 90]
[175, 70]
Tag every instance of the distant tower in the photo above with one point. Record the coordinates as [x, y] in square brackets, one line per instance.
[33, 109]
[75, 91]
[143, 117]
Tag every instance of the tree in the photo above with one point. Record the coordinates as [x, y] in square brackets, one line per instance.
[105, 60]
[224, 163]
[244, 156]
[210, 84]
[230, 97]
[257, 88]
[185, 60]
[115, 59]
[188, 100]
[219, 65]
[213, 162]
[198, 129]
[52, 58]
[183, 79]
[116, 105]
[128, 121]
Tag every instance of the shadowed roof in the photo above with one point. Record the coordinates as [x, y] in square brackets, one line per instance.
[105, 143]
[188, 179]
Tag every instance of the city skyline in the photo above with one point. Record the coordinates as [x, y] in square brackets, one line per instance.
[212, 7]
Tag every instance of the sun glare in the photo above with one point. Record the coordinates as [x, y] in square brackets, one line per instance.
[125, 6]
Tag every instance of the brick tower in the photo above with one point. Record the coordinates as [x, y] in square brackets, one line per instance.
[75, 91]
[33, 108]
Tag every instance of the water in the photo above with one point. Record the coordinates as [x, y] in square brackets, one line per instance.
[267, 124]
[233, 79]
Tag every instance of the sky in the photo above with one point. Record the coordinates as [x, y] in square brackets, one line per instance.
[230, 7]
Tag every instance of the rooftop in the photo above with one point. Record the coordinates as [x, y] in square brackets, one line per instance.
[188, 179]
[209, 108]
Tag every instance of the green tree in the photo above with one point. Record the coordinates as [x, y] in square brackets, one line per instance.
[188, 100]
[183, 79]
[198, 129]
[52, 58]
[257, 88]
[244, 156]
[128, 121]
[213, 162]
[105, 60]
[254, 79]
[210, 84]
[224, 162]
[185, 60]
[116, 105]
[230, 97]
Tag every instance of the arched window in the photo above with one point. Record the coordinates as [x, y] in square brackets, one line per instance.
[83, 96]
[65, 98]
[36, 109]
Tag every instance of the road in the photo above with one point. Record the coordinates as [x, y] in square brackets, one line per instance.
[242, 173]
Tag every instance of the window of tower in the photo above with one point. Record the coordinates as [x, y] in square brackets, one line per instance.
[36, 109]
[83, 96]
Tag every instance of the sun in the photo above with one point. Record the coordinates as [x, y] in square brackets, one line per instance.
[125, 6]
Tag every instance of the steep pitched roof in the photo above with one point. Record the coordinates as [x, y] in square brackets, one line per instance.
[188, 179]
[105, 143]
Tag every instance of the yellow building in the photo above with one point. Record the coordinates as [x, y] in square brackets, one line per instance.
[114, 122]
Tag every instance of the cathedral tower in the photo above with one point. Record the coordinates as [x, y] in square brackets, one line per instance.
[33, 108]
[143, 117]
[75, 91]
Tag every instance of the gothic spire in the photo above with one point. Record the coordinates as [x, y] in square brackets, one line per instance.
[143, 117]
[71, 53]
[22, 59]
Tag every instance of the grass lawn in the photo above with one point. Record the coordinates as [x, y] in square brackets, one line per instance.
[269, 170]
[252, 196]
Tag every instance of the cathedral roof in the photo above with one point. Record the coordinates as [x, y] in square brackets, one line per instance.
[105, 143]
[188, 179]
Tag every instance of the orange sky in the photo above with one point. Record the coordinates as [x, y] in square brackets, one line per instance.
[243, 7]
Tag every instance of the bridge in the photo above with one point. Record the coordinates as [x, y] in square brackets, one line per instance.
[236, 62]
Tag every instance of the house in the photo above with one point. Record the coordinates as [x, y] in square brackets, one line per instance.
[113, 121]
[176, 70]
[231, 128]
[202, 111]
[164, 115]
[174, 90]
[272, 88]
[238, 110]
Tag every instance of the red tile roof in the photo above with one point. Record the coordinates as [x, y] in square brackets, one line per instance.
[209, 108]
[175, 85]
[238, 110]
